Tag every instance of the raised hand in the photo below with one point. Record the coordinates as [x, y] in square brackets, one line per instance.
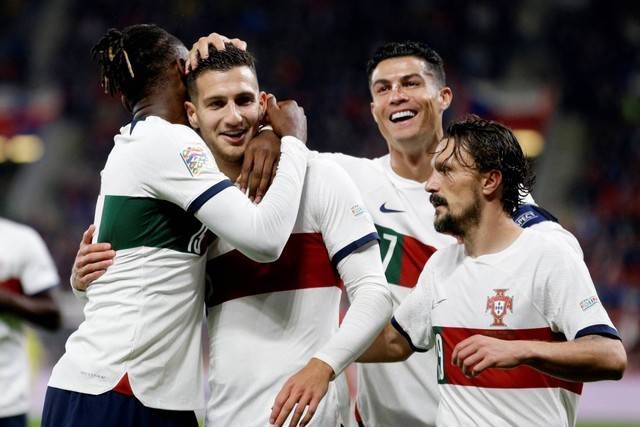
[200, 49]
[287, 118]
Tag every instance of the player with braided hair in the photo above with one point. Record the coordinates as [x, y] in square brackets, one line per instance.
[136, 359]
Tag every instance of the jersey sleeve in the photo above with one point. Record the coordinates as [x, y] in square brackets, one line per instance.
[258, 231]
[340, 213]
[38, 272]
[569, 300]
[369, 312]
[412, 319]
[182, 170]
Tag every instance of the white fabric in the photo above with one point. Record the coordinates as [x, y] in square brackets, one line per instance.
[143, 317]
[23, 257]
[404, 393]
[549, 287]
[259, 340]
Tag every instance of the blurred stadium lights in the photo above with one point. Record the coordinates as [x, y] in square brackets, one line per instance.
[531, 141]
[21, 149]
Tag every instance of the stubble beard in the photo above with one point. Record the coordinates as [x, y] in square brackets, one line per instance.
[459, 225]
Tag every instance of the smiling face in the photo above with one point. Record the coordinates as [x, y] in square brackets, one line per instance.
[455, 190]
[407, 101]
[227, 109]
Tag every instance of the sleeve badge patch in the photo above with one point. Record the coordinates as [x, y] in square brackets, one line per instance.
[589, 302]
[195, 158]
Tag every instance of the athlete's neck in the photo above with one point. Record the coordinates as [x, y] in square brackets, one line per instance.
[166, 103]
[494, 232]
[413, 161]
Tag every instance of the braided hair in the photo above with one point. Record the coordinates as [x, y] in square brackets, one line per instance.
[132, 60]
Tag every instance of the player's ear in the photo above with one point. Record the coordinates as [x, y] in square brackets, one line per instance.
[262, 100]
[490, 182]
[191, 114]
[373, 113]
[445, 97]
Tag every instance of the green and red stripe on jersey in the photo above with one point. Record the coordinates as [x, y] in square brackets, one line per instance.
[407, 258]
[304, 264]
[520, 377]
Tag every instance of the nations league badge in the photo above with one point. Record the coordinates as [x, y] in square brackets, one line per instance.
[194, 158]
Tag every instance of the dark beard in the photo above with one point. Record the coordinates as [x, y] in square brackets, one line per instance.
[459, 225]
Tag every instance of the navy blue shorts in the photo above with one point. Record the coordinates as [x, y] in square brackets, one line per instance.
[15, 421]
[63, 408]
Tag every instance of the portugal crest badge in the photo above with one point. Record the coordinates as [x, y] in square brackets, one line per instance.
[498, 306]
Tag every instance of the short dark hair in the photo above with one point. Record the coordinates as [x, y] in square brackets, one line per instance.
[220, 60]
[133, 60]
[493, 146]
[409, 48]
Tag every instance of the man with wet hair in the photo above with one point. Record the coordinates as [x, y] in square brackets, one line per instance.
[511, 314]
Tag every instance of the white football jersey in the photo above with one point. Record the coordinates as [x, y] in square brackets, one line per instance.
[404, 393]
[536, 289]
[26, 268]
[267, 320]
[144, 316]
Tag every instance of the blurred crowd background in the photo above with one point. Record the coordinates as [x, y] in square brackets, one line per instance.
[565, 74]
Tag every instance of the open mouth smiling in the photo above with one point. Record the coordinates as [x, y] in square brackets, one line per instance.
[402, 116]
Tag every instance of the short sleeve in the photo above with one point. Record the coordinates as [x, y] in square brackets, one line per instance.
[183, 170]
[340, 212]
[412, 319]
[38, 272]
[569, 301]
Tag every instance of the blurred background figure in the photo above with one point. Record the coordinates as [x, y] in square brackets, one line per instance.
[27, 274]
[565, 75]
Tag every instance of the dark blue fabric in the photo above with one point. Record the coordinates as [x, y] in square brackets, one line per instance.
[204, 197]
[604, 330]
[15, 421]
[342, 253]
[528, 215]
[63, 408]
[402, 332]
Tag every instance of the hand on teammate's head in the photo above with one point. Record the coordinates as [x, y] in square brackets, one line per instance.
[200, 49]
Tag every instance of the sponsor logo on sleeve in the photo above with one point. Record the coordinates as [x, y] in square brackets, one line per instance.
[357, 210]
[195, 158]
[525, 217]
[589, 302]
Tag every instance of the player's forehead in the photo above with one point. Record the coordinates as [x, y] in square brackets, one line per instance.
[399, 67]
[241, 79]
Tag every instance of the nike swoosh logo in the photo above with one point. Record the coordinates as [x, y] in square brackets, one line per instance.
[385, 209]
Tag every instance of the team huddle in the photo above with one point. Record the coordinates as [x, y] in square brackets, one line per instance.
[450, 268]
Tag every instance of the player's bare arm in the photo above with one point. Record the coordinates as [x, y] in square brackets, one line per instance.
[259, 164]
[40, 309]
[305, 389]
[92, 260]
[588, 358]
[389, 346]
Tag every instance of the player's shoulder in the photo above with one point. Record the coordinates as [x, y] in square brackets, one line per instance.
[163, 134]
[324, 171]
[550, 246]
[447, 257]
[21, 235]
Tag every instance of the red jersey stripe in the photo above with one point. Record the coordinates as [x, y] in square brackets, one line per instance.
[520, 377]
[415, 255]
[304, 263]
[12, 285]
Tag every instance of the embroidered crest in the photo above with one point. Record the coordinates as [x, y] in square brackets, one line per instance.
[498, 306]
[194, 158]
